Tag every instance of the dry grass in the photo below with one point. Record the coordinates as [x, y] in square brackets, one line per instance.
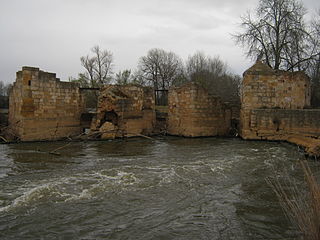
[301, 207]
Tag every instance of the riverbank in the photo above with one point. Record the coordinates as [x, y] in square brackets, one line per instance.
[311, 145]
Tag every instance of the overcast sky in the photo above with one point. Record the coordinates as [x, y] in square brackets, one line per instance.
[54, 34]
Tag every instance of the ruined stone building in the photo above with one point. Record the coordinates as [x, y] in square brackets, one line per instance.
[44, 108]
[131, 111]
[276, 103]
[124, 111]
[273, 104]
[41, 107]
[193, 112]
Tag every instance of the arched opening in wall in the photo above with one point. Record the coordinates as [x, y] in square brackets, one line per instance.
[29, 83]
[110, 116]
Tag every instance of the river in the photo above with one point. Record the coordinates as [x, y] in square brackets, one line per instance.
[169, 188]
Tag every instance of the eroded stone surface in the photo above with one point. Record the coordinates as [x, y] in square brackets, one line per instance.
[194, 113]
[265, 88]
[41, 107]
[273, 107]
[127, 110]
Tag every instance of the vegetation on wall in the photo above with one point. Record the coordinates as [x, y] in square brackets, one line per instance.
[300, 201]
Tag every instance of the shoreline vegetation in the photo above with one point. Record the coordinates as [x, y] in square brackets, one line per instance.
[300, 203]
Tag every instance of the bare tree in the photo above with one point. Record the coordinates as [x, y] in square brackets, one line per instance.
[4, 88]
[98, 67]
[137, 77]
[213, 74]
[124, 77]
[160, 68]
[199, 66]
[314, 68]
[82, 80]
[277, 32]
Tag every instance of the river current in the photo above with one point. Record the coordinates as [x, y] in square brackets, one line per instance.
[169, 188]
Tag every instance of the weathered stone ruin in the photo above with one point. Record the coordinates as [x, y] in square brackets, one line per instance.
[44, 108]
[41, 107]
[193, 112]
[269, 95]
[275, 106]
[124, 111]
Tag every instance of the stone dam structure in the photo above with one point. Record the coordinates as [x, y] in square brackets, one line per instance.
[275, 105]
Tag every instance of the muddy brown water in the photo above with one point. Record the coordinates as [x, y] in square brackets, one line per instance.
[170, 188]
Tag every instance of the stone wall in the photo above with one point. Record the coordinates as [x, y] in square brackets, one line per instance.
[194, 113]
[269, 123]
[41, 107]
[265, 88]
[124, 111]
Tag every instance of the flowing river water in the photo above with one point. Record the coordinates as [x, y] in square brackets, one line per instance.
[170, 188]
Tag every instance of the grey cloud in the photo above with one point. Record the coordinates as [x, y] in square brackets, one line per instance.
[54, 34]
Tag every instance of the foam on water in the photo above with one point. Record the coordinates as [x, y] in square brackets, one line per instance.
[88, 185]
[81, 186]
[36, 195]
[183, 188]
